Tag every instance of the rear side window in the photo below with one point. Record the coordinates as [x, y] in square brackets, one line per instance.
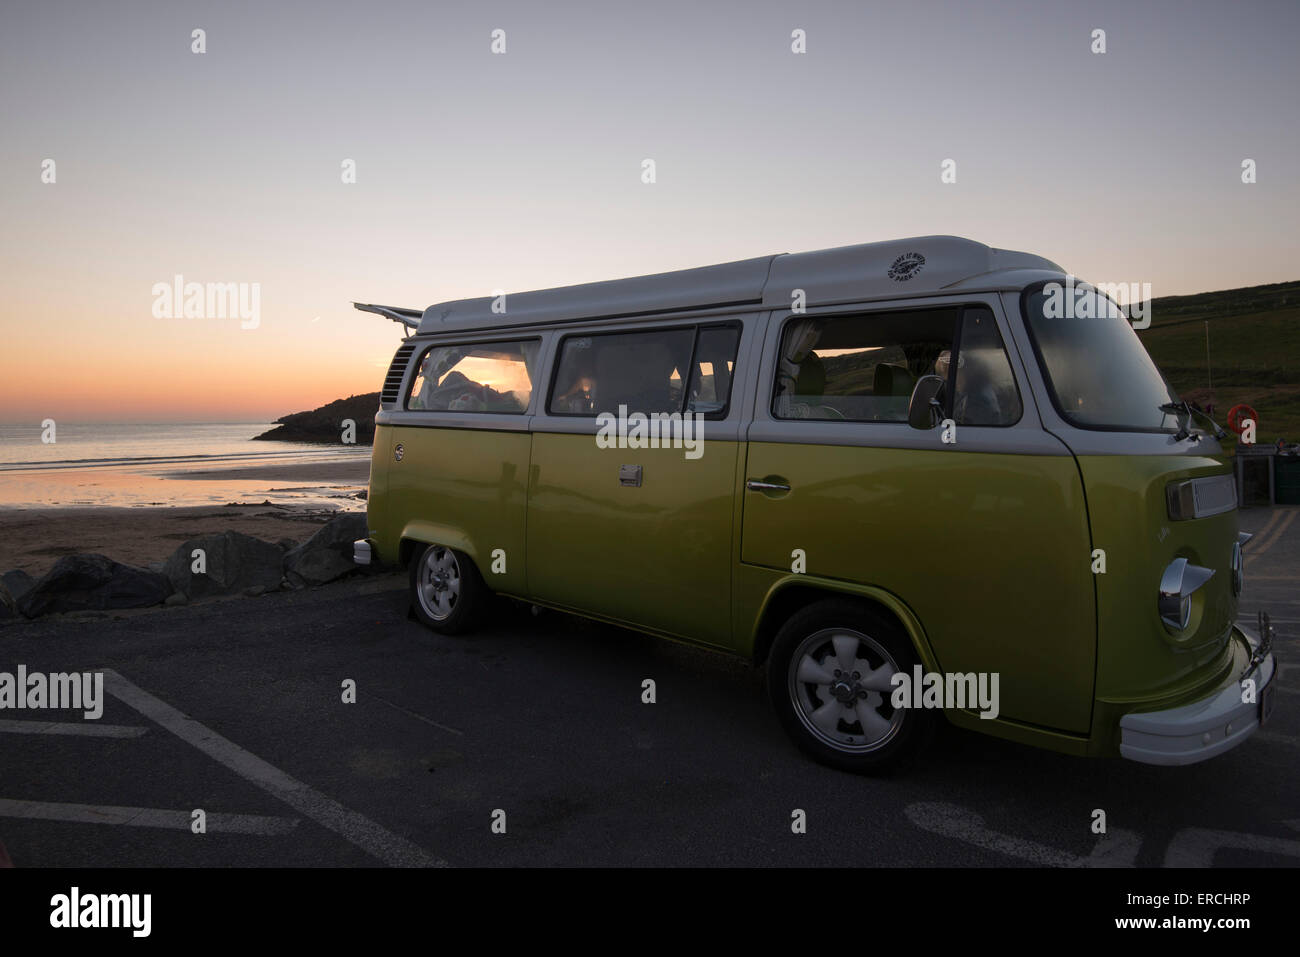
[663, 370]
[479, 377]
[863, 368]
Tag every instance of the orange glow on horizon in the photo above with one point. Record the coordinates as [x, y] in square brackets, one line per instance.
[184, 386]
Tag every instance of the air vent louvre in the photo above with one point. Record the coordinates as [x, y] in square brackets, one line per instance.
[392, 391]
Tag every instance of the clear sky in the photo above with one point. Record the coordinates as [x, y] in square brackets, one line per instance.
[477, 171]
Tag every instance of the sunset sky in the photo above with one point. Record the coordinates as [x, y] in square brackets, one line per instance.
[478, 171]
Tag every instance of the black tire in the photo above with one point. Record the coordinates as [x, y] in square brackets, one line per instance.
[457, 606]
[812, 632]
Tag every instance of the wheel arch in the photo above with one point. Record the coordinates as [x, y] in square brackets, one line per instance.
[419, 534]
[792, 593]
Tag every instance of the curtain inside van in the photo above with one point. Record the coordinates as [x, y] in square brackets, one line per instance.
[531, 349]
[800, 339]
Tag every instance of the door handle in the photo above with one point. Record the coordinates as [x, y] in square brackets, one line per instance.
[754, 485]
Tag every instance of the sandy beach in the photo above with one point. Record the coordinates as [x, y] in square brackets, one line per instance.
[350, 473]
[34, 539]
[139, 514]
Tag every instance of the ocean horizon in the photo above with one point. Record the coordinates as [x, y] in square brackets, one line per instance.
[172, 464]
[80, 445]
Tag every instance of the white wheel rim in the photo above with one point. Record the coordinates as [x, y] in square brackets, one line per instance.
[839, 684]
[438, 583]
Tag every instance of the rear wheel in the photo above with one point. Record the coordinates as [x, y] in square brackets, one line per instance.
[829, 678]
[447, 592]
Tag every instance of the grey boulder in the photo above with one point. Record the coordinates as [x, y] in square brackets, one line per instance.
[327, 555]
[17, 583]
[232, 562]
[13, 585]
[93, 583]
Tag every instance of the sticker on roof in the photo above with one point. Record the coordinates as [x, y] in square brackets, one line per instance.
[906, 266]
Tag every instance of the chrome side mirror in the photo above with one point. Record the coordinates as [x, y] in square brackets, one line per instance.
[925, 410]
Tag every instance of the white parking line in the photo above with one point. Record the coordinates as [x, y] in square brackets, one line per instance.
[1195, 846]
[1118, 848]
[72, 727]
[144, 817]
[1190, 847]
[353, 827]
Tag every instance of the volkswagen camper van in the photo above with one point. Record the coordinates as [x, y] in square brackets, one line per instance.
[897, 476]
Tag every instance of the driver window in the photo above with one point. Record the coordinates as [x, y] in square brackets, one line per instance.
[484, 377]
[859, 368]
[863, 368]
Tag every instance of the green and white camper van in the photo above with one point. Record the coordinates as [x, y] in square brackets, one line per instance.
[895, 475]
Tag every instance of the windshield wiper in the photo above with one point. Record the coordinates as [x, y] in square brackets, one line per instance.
[1174, 408]
[1192, 410]
[1219, 433]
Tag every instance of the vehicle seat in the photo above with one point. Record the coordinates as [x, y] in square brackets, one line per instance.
[809, 384]
[891, 390]
[811, 380]
[892, 380]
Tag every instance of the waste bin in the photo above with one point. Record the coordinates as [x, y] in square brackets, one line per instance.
[1255, 478]
[1286, 478]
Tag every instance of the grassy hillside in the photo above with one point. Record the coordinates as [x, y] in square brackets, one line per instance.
[1254, 353]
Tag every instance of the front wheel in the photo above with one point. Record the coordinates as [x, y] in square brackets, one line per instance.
[447, 592]
[829, 678]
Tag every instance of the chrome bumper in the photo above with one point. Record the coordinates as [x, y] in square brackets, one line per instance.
[361, 552]
[1200, 730]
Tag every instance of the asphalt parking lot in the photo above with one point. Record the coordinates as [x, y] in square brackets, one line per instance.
[236, 708]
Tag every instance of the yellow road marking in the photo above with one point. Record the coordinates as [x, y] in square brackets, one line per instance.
[1273, 519]
[1277, 533]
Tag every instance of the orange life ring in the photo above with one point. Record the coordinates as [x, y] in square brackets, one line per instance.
[1238, 415]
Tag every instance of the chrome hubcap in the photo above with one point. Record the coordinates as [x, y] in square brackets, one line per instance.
[438, 586]
[839, 683]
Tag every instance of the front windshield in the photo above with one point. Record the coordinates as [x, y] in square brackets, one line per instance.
[1096, 367]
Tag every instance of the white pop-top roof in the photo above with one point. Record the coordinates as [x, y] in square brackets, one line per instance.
[889, 270]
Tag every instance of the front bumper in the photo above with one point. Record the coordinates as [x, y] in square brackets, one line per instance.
[1205, 728]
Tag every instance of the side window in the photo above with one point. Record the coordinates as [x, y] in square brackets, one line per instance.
[860, 368]
[483, 377]
[645, 371]
[984, 390]
[863, 368]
